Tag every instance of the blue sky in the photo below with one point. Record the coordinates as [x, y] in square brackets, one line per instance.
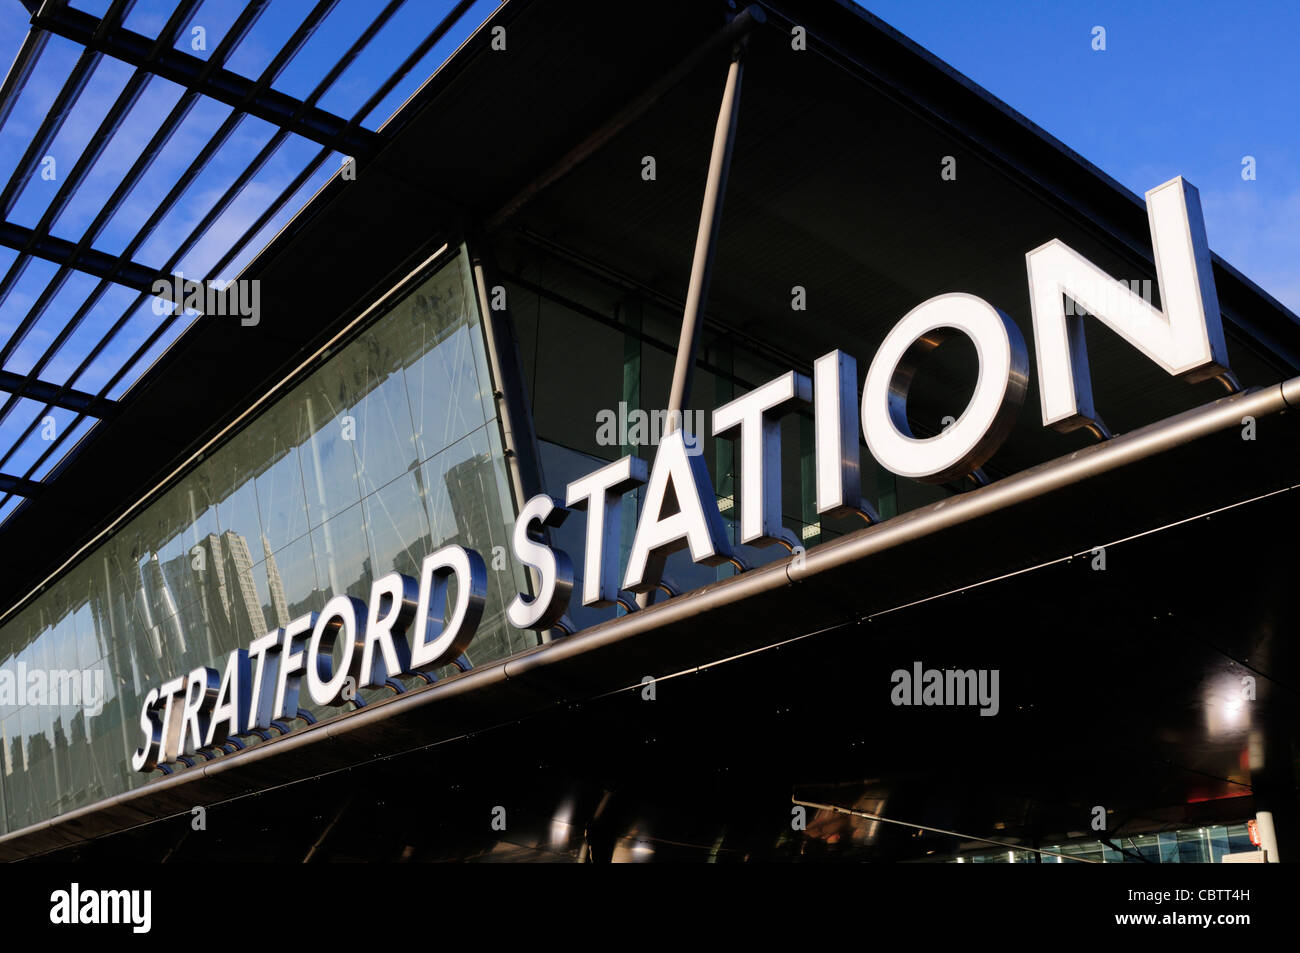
[1184, 88]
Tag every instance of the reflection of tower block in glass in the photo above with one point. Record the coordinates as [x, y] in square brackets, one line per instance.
[245, 608]
[175, 572]
[227, 591]
[471, 488]
[279, 602]
[162, 604]
[472, 493]
[214, 593]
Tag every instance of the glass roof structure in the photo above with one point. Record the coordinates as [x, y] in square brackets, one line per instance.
[145, 138]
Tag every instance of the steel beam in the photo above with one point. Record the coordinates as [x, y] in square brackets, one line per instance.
[101, 264]
[56, 395]
[706, 240]
[141, 278]
[53, 119]
[19, 486]
[429, 42]
[523, 457]
[20, 71]
[322, 87]
[238, 185]
[237, 31]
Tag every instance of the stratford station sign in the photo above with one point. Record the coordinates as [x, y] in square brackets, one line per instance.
[406, 628]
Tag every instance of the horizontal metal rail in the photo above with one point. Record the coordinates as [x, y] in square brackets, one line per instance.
[854, 812]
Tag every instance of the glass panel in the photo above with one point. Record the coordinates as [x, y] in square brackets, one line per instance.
[398, 523]
[326, 432]
[281, 494]
[386, 451]
[562, 465]
[343, 554]
[381, 430]
[435, 334]
[287, 584]
[567, 318]
[469, 506]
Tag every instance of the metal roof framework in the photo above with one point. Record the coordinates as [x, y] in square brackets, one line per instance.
[24, 388]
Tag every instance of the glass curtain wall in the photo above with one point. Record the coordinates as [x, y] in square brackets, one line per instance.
[386, 451]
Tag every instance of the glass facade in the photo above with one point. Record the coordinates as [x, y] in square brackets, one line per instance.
[1198, 845]
[386, 451]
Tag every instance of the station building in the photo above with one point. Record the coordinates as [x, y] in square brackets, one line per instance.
[578, 231]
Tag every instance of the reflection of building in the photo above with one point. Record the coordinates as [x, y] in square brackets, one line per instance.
[146, 608]
[214, 594]
[279, 604]
[471, 488]
[473, 501]
[227, 590]
[245, 608]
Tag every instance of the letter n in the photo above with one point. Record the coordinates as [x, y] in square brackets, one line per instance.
[1186, 338]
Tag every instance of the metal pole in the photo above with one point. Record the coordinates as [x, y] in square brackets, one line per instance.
[504, 408]
[1267, 836]
[706, 239]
